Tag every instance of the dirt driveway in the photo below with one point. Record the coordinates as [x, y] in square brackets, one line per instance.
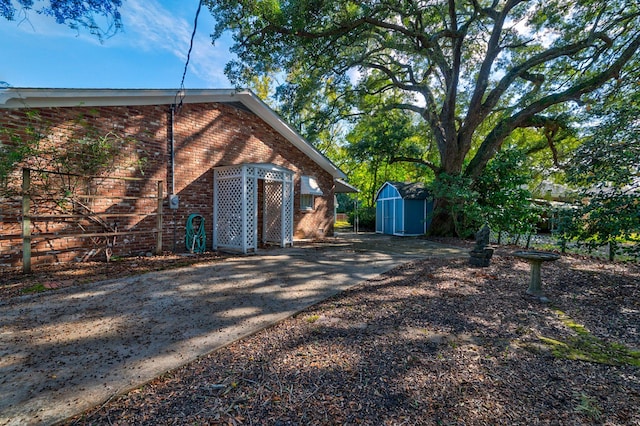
[65, 351]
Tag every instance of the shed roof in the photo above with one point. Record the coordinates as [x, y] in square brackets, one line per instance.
[411, 190]
[17, 98]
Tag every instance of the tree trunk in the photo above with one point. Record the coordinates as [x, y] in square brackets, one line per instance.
[442, 223]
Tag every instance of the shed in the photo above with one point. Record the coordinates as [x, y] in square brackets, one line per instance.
[403, 209]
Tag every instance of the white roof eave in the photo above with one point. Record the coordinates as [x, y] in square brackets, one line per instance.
[344, 187]
[12, 98]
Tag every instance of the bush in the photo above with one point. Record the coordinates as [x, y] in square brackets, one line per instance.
[366, 218]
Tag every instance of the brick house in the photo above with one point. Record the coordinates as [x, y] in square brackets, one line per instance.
[222, 154]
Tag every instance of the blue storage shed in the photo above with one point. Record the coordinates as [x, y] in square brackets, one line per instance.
[403, 209]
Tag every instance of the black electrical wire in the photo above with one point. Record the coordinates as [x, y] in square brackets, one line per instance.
[180, 92]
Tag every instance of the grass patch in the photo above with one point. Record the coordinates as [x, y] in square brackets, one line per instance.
[342, 224]
[588, 407]
[587, 347]
[312, 318]
[36, 288]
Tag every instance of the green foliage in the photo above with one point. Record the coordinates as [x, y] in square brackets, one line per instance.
[498, 197]
[503, 194]
[35, 288]
[465, 70]
[460, 202]
[10, 155]
[312, 318]
[376, 142]
[345, 203]
[564, 223]
[588, 407]
[17, 147]
[607, 172]
[366, 218]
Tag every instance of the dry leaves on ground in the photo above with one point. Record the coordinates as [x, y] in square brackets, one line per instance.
[430, 342]
[50, 277]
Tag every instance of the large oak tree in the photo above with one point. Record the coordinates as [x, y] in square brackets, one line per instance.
[473, 70]
[101, 17]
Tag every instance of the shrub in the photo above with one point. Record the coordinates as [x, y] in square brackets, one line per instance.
[366, 218]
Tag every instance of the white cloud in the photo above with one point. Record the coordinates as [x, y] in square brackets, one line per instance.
[150, 26]
[30, 22]
[160, 27]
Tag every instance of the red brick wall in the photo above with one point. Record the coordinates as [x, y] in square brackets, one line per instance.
[205, 135]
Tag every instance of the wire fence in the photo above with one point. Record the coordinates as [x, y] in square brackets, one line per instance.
[550, 242]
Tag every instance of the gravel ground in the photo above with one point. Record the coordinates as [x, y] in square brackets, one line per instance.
[430, 342]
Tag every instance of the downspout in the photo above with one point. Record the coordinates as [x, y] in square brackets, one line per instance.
[173, 198]
[172, 144]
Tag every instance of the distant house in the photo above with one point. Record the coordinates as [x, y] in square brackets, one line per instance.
[222, 154]
[550, 191]
[403, 209]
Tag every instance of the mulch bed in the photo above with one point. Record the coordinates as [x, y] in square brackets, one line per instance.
[50, 277]
[430, 342]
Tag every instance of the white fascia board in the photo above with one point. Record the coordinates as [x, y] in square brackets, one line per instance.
[263, 111]
[342, 187]
[12, 98]
[42, 98]
[382, 187]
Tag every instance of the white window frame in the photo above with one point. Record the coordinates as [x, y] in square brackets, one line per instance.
[307, 202]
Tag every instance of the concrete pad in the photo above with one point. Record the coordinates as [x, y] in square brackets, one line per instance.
[65, 351]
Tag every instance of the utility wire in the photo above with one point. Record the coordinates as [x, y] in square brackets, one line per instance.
[180, 92]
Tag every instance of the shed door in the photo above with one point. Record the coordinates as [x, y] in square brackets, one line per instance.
[399, 217]
[388, 211]
[379, 217]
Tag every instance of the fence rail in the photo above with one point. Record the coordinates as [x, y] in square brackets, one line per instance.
[28, 236]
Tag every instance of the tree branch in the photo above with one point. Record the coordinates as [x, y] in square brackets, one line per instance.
[475, 115]
[494, 139]
[415, 160]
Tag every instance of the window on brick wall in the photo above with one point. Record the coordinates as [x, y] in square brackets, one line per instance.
[307, 201]
[309, 190]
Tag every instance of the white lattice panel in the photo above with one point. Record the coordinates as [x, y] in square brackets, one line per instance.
[229, 213]
[228, 172]
[251, 214]
[236, 210]
[287, 216]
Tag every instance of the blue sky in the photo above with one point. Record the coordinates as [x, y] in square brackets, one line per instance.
[149, 53]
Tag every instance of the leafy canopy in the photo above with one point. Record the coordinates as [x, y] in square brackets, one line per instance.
[473, 70]
[606, 168]
[101, 17]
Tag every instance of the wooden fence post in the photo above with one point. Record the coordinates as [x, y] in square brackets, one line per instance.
[26, 221]
[159, 218]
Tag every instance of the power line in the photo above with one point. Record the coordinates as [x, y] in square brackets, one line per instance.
[180, 93]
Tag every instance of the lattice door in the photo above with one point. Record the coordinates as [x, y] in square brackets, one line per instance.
[272, 227]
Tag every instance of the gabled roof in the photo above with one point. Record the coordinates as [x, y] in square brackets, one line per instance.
[16, 98]
[411, 191]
